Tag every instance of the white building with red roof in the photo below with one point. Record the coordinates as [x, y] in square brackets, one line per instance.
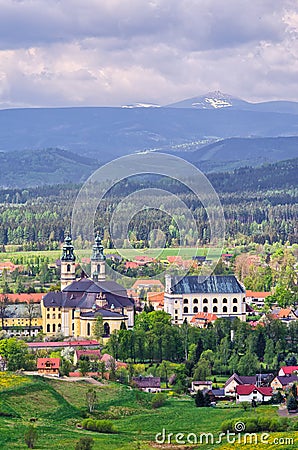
[250, 392]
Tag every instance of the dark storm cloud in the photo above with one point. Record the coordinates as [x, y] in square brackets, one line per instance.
[109, 52]
[197, 25]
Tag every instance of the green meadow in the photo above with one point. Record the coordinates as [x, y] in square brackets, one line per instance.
[58, 406]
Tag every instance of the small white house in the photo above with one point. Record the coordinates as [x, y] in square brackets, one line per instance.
[200, 386]
[250, 392]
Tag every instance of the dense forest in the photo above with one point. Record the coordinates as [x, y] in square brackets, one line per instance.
[260, 205]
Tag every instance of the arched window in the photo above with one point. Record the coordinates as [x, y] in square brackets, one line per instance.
[59, 316]
[205, 300]
[106, 329]
[225, 309]
[195, 309]
[54, 328]
[68, 267]
[59, 326]
[234, 308]
[225, 300]
[195, 301]
[185, 309]
[88, 329]
[185, 301]
[54, 316]
[48, 328]
[235, 300]
[215, 309]
[215, 300]
[205, 309]
[243, 299]
[72, 313]
[48, 316]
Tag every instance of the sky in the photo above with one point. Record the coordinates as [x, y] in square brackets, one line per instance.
[118, 52]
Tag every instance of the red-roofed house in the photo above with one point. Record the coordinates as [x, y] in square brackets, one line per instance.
[202, 319]
[48, 366]
[156, 299]
[250, 392]
[287, 371]
[256, 297]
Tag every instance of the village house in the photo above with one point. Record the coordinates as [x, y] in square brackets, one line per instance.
[282, 383]
[48, 366]
[235, 380]
[287, 370]
[257, 298]
[203, 320]
[147, 384]
[74, 309]
[156, 299]
[222, 295]
[200, 386]
[250, 392]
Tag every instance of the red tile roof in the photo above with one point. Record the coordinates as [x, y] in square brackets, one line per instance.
[91, 343]
[247, 389]
[48, 363]
[201, 316]
[147, 283]
[156, 297]
[25, 298]
[288, 370]
[254, 294]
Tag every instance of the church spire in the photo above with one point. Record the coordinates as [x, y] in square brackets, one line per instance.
[68, 266]
[68, 249]
[97, 249]
[98, 265]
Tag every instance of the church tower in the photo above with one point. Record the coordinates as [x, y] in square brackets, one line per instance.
[98, 261]
[68, 267]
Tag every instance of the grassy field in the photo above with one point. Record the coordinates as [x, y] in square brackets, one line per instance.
[159, 253]
[59, 405]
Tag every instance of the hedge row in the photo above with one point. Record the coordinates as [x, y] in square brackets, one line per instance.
[261, 423]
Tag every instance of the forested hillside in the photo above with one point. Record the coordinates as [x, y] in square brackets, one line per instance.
[259, 205]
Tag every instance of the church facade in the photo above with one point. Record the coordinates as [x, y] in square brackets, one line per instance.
[74, 310]
[221, 295]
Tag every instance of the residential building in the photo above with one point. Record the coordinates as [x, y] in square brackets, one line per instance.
[200, 386]
[285, 371]
[48, 366]
[250, 392]
[147, 384]
[217, 294]
[203, 320]
[281, 383]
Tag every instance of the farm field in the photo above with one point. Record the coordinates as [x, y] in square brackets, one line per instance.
[160, 253]
[59, 405]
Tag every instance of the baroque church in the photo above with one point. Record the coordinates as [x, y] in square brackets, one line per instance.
[74, 309]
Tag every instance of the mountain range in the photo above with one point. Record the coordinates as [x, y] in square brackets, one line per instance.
[215, 131]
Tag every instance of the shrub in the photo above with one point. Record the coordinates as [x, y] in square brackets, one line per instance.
[85, 443]
[227, 425]
[105, 426]
[101, 426]
[245, 405]
[251, 426]
[276, 425]
[294, 425]
[158, 400]
[264, 423]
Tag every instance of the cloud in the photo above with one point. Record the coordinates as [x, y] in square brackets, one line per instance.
[109, 52]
